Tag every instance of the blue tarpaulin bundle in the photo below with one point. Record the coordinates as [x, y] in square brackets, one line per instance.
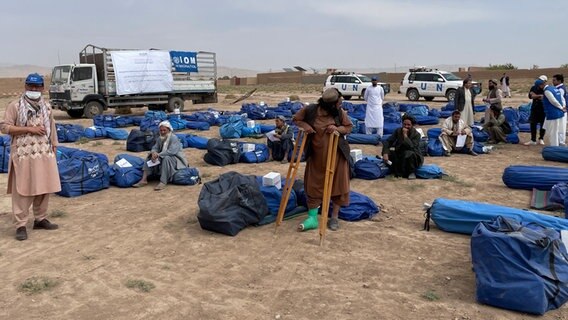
[450, 106]
[460, 216]
[260, 154]
[426, 120]
[429, 171]
[177, 122]
[254, 111]
[203, 116]
[371, 168]
[69, 132]
[126, 170]
[551, 153]
[418, 110]
[198, 142]
[233, 128]
[95, 132]
[116, 134]
[250, 132]
[112, 121]
[360, 207]
[358, 138]
[434, 133]
[4, 158]
[389, 128]
[534, 177]
[83, 172]
[264, 128]
[445, 114]
[197, 125]
[521, 267]
[480, 108]
[186, 177]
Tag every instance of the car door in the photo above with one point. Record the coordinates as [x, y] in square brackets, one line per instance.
[82, 83]
[438, 85]
[421, 83]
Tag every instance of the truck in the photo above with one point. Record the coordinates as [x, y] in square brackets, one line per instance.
[97, 82]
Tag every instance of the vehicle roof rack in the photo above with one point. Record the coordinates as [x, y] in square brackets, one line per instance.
[422, 69]
[339, 72]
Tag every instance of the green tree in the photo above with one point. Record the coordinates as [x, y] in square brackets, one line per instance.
[506, 66]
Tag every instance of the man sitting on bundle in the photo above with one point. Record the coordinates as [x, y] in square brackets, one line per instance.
[282, 144]
[453, 128]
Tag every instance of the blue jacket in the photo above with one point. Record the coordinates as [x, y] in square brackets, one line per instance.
[550, 110]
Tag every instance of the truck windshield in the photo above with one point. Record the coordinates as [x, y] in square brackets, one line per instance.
[450, 76]
[60, 74]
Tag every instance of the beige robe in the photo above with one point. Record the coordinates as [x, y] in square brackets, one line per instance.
[314, 175]
[32, 161]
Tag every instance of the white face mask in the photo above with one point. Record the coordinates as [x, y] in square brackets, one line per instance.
[34, 95]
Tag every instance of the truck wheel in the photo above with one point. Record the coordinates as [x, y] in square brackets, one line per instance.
[362, 96]
[347, 97]
[75, 113]
[412, 94]
[175, 103]
[429, 98]
[93, 109]
[451, 95]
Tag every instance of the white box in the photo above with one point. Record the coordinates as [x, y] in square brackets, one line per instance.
[356, 155]
[272, 179]
[250, 124]
[248, 147]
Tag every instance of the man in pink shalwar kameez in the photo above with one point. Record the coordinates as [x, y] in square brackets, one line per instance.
[32, 174]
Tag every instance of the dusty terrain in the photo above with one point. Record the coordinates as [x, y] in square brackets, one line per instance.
[385, 268]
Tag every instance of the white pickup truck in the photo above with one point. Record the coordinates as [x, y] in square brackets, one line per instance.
[90, 87]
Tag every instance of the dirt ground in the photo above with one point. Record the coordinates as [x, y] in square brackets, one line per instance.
[384, 268]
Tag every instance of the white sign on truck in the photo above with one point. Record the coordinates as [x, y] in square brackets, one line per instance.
[143, 71]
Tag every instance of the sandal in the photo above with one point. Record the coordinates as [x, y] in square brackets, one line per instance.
[139, 184]
[333, 224]
[160, 187]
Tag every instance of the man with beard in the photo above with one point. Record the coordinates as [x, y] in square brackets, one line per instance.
[319, 121]
[165, 158]
[402, 149]
[374, 96]
[33, 172]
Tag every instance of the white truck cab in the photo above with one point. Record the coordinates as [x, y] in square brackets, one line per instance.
[351, 84]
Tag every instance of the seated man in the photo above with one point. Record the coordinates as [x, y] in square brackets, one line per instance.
[451, 129]
[402, 149]
[166, 156]
[497, 126]
[283, 142]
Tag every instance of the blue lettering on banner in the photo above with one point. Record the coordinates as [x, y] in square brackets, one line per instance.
[355, 86]
[184, 61]
[423, 86]
[439, 87]
[344, 87]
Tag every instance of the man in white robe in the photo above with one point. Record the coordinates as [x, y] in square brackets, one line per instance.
[374, 96]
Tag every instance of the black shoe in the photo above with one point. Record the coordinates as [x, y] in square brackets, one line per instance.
[21, 234]
[45, 224]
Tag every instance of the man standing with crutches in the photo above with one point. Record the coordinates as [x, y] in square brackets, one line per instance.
[319, 121]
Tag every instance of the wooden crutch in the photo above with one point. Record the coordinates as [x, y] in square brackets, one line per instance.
[328, 182]
[297, 153]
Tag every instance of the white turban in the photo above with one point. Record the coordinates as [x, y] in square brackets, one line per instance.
[167, 124]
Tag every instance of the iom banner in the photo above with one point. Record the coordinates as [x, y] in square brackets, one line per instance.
[184, 61]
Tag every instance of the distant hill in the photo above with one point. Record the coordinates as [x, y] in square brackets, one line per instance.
[20, 71]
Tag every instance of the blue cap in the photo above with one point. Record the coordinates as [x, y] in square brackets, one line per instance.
[538, 82]
[34, 78]
[374, 78]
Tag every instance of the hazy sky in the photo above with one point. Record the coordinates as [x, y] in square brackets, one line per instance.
[264, 34]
